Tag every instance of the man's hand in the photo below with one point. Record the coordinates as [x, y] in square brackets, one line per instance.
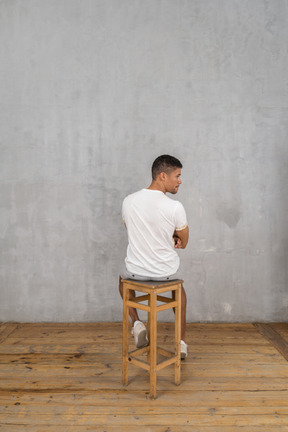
[177, 242]
[181, 238]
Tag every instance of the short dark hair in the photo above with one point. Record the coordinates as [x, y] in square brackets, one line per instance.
[164, 163]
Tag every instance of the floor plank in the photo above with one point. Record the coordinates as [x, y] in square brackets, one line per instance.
[67, 377]
[6, 329]
[146, 428]
[274, 337]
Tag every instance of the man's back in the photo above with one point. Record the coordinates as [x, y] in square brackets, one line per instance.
[151, 219]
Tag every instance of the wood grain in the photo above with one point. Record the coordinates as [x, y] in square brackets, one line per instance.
[6, 329]
[274, 337]
[67, 377]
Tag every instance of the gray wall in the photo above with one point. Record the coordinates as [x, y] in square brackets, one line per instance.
[91, 92]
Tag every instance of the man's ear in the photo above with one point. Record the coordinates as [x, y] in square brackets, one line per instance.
[162, 176]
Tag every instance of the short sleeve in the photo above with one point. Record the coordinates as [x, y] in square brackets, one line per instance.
[123, 211]
[180, 217]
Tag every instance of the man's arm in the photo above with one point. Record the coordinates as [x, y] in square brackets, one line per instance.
[181, 238]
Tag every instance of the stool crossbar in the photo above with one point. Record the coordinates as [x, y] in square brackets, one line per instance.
[151, 291]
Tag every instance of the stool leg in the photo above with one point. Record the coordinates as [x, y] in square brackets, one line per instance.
[153, 344]
[148, 327]
[125, 336]
[178, 335]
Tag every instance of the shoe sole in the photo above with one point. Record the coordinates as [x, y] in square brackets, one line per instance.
[142, 339]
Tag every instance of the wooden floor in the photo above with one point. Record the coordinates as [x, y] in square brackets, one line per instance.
[67, 377]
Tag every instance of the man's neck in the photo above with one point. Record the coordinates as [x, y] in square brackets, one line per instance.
[157, 186]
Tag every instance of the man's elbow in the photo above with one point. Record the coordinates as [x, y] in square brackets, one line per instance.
[184, 243]
[184, 237]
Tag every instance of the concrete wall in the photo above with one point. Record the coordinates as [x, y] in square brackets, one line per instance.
[91, 92]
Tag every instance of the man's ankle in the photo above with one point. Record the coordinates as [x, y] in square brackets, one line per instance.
[133, 322]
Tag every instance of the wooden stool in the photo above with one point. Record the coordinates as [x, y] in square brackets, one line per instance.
[152, 291]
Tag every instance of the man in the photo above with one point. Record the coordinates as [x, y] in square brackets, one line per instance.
[156, 226]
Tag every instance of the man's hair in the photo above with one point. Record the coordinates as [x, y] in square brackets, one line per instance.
[164, 163]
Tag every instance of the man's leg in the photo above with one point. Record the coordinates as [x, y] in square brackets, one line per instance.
[138, 328]
[183, 312]
[132, 311]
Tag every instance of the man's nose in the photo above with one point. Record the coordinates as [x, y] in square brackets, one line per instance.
[179, 181]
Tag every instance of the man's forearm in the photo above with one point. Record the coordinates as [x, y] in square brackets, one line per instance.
[183, 236]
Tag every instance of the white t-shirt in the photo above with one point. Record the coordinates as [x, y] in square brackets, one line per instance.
[151, 219]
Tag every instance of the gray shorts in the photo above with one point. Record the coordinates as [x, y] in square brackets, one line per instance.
[125, 274]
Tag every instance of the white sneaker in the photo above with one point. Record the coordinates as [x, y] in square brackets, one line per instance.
[184, 350]
[140, 334]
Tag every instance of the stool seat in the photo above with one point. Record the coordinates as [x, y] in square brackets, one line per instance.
[151, 291]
